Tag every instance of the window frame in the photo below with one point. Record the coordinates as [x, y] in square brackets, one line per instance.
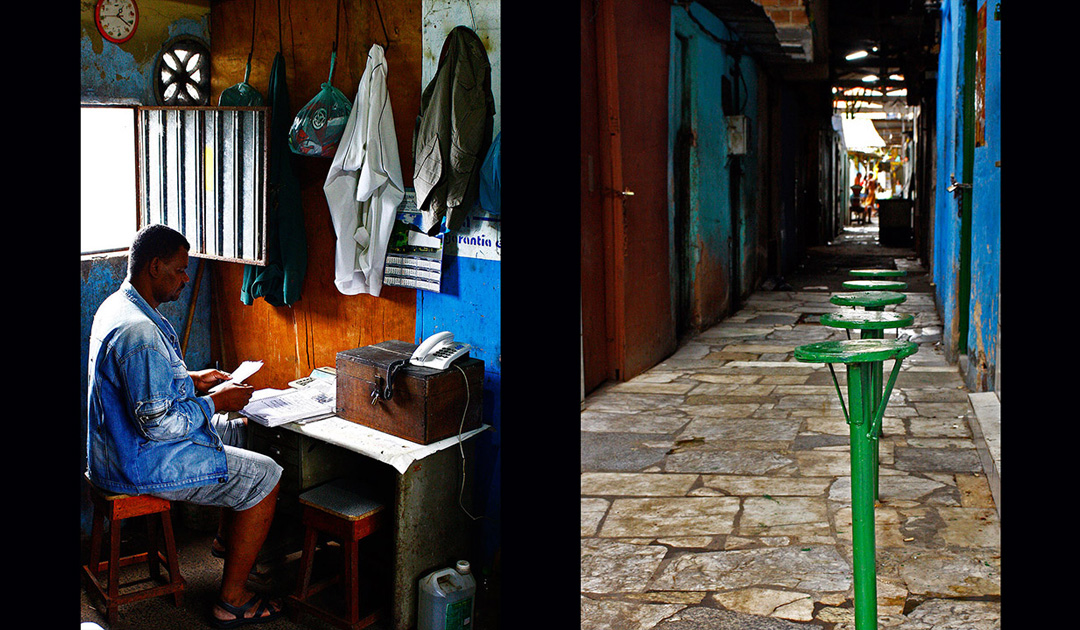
[133, 109]
[192, 151]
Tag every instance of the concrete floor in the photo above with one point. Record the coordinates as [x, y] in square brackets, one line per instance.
[715, 487]
[202, 573]
[194, 532]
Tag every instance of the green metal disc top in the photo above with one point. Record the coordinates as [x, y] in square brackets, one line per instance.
[855, 351]
[875, 285]
[867, 299]
[867, 320]
[878, 273]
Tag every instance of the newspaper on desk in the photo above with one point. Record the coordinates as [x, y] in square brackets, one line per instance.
[386, 448]
[273, 408]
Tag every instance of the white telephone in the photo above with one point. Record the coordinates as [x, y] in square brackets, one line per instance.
[438, 351]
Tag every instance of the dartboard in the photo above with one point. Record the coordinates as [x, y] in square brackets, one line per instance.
[182, 73]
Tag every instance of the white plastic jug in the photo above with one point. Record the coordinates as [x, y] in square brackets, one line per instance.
[446, 599]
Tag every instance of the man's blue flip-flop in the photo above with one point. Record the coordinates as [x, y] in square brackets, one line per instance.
[239, 612]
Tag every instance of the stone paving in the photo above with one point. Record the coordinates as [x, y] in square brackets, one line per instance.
[716, 489]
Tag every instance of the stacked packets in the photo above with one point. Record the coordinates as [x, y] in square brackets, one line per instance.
[270, 407]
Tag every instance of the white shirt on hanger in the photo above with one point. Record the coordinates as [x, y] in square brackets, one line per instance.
[364, 186]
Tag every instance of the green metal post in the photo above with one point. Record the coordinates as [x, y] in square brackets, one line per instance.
[860, 395]
[877, 380]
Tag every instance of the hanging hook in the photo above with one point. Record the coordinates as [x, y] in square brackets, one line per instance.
[333, 50]
[385, 36]
[251, 51]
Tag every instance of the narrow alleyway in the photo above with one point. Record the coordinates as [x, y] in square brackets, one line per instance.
[715, 487]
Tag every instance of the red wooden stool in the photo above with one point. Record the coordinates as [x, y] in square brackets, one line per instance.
[339, 511]
[116, 508]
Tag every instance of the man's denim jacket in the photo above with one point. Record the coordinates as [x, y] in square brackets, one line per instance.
[147, 430]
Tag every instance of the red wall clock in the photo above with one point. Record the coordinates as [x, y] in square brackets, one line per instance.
[116, 19]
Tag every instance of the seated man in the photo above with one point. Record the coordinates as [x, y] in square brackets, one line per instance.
[152, 427]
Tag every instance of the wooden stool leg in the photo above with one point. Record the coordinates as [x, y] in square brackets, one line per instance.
[170, 555]
[153, 560]
[113, 570]
[96, 532]
[307, 558]
[352, 581]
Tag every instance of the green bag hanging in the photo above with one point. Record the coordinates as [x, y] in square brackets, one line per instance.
[319, 125]
[243, 94]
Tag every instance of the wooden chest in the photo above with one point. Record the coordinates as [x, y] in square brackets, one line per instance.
[427, 405]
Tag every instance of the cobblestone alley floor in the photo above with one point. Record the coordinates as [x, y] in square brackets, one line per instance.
[715, 487]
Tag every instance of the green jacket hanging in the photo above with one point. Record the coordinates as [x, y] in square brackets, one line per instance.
[280, 280]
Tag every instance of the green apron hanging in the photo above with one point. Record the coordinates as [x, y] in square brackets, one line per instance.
[279, 282]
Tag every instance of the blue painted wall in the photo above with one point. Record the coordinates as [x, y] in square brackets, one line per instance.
[982, 338]
[470, 306]
[982, 342]
[101, 277]
[122, 73]
[470, 301]
[946, 251]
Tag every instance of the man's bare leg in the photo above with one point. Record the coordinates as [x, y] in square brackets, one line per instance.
[245, 533]
[224, 522]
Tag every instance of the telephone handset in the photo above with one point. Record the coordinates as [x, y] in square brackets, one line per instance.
[438, 351]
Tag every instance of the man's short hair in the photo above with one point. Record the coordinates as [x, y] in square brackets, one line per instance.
[154, 241]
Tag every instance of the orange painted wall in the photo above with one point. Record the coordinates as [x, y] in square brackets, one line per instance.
[291, 341]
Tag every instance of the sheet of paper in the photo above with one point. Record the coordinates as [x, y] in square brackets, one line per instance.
[246, 369]
[240, 374]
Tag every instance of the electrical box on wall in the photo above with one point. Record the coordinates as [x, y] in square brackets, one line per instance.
[738, 134]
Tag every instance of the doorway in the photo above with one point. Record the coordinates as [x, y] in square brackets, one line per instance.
[680, 246]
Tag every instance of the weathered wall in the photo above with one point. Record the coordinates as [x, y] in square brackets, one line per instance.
[709, 223]
[121, 73]
[112, 72]
[294, 340]
[470, 302]
[946, 245]
[982, 338]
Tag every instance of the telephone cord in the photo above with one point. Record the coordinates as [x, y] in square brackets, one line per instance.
[461, 447]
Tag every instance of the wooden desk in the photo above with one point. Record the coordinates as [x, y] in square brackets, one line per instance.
[429, 529]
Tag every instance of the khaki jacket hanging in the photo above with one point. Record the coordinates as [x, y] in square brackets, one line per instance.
[453, 132]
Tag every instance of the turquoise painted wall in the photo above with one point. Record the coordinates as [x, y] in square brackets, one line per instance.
[983, 322]
[751, 235]
[711, 222]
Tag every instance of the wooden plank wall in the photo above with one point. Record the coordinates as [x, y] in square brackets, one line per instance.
[293, 341]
